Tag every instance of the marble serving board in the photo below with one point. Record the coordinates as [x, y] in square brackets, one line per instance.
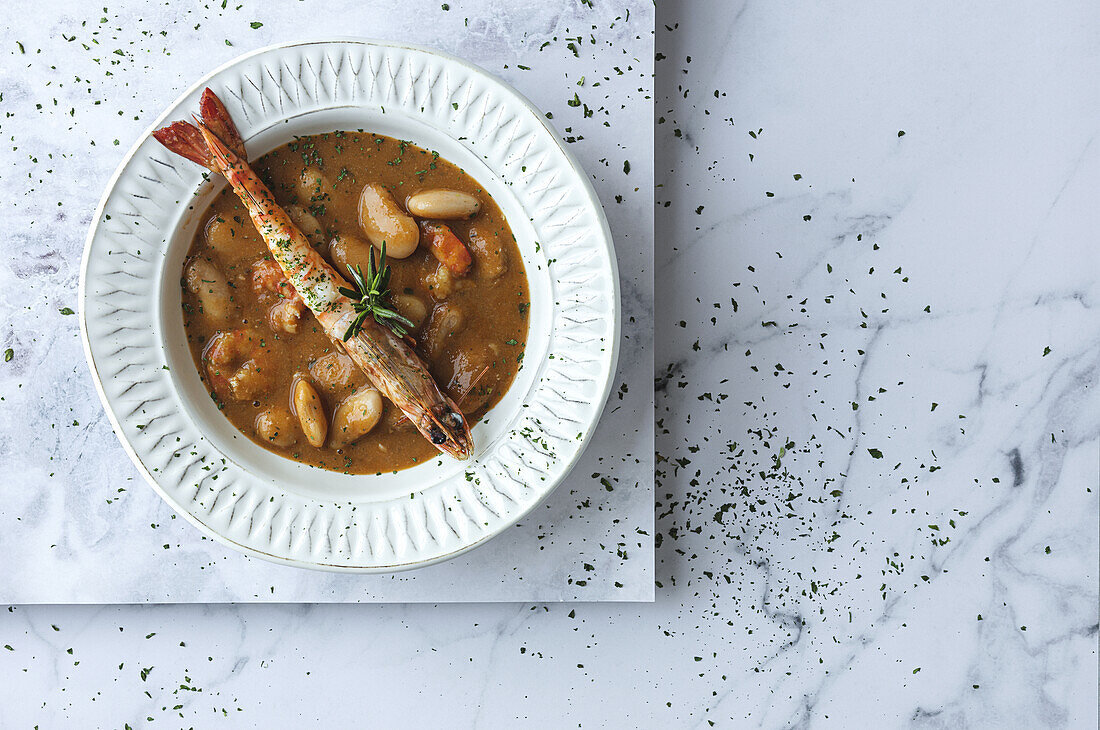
[77, 523]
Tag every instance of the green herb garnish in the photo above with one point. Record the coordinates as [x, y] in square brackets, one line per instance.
[371, 294]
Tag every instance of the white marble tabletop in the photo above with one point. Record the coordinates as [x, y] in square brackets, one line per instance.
[877, 423]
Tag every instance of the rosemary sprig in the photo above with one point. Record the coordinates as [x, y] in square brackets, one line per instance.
[370, 297]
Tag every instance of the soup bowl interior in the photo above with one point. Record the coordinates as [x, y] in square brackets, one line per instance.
[314, 482]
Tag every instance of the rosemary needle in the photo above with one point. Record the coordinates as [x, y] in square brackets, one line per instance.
[370, 296]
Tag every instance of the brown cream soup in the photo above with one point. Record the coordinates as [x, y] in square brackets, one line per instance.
[469, 326]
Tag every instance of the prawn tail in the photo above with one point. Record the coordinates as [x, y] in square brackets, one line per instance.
[186, 141]
[216, 118]
[233, 167]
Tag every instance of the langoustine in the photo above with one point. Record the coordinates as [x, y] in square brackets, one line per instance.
[389, 362]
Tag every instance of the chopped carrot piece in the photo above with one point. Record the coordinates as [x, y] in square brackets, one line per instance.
[446, 247]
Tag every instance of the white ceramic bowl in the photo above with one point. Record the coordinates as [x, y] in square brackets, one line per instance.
[269, 506]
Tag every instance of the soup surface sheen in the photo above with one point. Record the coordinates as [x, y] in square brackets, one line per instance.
[470, 330]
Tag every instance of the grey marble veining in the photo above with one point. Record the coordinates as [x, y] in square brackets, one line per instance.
[877, 491]
[82, 526]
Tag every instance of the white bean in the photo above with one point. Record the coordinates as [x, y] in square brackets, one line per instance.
[356, 416]
[276, 426]
[313, 186]
[220, 236]
[311, 414]
[335, 371]
[206, 282]
[446, 320]
[286, 316]
[382, 220]
[307, 223]
[411, 307]
[490, 257]
[443, 204]
[347, 251]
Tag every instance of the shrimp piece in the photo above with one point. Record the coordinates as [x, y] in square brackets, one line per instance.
[388, 360]
[286, 315]
[446, 247]
[268, 277]
[236, 364]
